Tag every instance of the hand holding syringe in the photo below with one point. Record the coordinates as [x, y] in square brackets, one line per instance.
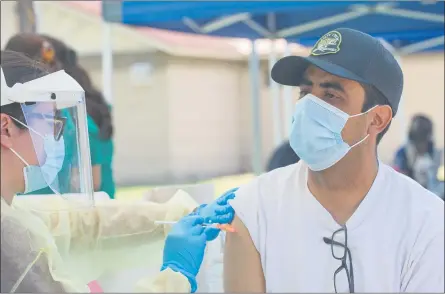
[223, 227]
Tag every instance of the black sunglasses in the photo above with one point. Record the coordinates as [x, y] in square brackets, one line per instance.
[342, 257]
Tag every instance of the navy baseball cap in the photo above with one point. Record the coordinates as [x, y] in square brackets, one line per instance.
[349, 54]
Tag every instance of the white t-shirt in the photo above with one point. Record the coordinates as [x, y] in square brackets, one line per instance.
[396, 236]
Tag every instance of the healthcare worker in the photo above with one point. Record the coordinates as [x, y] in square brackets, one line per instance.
[57, 55]
[38, 233]
[100, 132]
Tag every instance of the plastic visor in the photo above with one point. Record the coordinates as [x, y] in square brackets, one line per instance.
[59, 138]
[54, 115]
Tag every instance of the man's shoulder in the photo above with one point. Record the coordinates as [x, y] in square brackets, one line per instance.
[272, 185]
[404, 185]
[281, 174]
[409, 196]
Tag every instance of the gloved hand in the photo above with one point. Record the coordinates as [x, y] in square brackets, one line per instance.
[184, 248]
[219, 212]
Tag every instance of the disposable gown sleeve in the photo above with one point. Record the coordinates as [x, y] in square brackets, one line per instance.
[117, 222]
[90, 240]
[167, 281]
[30, 260]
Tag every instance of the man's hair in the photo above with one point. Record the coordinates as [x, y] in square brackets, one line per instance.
[374, 97]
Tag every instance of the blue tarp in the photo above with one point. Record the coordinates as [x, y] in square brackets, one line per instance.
[275, 16]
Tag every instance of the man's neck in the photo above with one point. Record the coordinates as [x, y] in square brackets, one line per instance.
[341, 188]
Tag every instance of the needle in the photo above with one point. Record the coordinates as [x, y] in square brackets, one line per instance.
[223, 227]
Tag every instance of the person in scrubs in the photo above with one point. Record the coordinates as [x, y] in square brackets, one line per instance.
[100, 131]
[100, 124]
[38, 233]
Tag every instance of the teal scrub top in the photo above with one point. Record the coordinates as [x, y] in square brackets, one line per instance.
[101, 152]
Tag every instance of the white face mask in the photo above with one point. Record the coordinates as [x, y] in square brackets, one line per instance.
[316, 132]
[39, 177]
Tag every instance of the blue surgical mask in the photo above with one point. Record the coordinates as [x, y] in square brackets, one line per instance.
[316, 133]
[39, 177]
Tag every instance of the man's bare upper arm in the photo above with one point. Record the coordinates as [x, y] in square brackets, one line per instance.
[242, 263]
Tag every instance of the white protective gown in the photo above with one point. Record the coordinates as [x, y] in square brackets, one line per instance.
[36, 243]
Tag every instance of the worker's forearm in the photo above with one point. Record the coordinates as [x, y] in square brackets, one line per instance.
[167, 281]
[109, 220]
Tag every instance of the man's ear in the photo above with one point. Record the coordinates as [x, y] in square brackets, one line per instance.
[381, 119]
[5, 132]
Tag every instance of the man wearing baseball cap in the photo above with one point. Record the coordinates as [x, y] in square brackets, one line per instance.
[339, 220]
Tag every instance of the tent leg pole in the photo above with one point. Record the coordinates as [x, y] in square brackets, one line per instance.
[107, 62]
[254, 69]
[288, 101]
[37, 14]
[275, 97]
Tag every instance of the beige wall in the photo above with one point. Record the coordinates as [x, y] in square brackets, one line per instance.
[9, 23]
[139, 115]
[423, 93]
[193, 120]
[204, 117]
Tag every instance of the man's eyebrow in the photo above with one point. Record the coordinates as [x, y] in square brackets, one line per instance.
[333, 85]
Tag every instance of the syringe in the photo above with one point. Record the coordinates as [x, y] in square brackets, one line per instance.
[222, 227]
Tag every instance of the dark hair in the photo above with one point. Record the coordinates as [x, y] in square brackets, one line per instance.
[96, 105]
[421, 129]
[19, 68]
[66, 55]
[374, 97]
[35, 47]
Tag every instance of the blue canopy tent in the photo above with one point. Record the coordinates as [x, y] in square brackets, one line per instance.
[404, 27]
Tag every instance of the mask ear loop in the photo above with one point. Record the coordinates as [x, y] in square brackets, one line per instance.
[15, 152]
[361, 141]
[358, 114]
[366, 137]
[18, 155]
[28, 127]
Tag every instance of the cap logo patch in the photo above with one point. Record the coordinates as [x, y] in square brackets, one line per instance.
[328, 44]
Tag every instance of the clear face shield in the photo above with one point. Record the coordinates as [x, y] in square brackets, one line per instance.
[54, 114]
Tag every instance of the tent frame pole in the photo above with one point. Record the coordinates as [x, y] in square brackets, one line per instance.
[423, 45]
[274, 89]
[107, 61]
[254, 69]
[288, 101]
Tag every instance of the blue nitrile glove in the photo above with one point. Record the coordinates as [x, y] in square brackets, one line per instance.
[184, 248]
[219, 211]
